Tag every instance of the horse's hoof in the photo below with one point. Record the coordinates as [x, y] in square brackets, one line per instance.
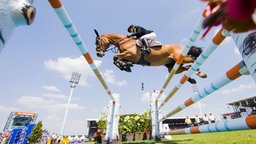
[129, 64]
[201, 74]
[192, 81]
[128, 69]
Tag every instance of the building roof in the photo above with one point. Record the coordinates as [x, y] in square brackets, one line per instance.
[248, 102]
[177, 120]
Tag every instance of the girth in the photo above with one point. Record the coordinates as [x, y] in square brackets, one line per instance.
[142, 61]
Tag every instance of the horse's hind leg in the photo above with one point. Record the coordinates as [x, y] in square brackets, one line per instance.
[194, 52]
[185, 68]
[182, 69]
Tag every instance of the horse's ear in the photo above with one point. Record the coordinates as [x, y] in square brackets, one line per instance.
[96, 32]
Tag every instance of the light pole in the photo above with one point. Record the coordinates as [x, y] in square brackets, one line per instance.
[195, 89]
[73, 81]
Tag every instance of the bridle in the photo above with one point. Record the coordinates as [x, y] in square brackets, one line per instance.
[101, 48]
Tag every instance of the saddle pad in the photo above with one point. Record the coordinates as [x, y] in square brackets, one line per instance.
[151, 43]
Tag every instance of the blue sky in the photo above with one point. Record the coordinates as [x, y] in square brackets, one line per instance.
[37, 62]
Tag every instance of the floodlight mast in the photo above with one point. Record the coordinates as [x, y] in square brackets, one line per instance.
[73, 82]
[195, 90]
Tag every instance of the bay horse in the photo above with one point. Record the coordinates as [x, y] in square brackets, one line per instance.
[130, 53]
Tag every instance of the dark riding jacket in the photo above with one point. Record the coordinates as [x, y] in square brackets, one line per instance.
[140, 31]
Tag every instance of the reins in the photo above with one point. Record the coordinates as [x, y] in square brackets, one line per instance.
[115, 49]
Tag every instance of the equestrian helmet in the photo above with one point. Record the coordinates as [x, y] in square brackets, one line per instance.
[131, 26]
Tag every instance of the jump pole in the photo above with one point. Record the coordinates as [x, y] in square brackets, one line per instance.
[242, 123]
[70, 27]
[216, 41]
[192, 38]
[232, 74]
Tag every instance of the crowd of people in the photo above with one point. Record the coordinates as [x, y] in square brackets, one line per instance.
[206, 119]
[53, 138]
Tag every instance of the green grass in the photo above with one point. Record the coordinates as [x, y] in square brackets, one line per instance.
[231, 137]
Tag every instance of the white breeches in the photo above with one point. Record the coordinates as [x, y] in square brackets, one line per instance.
[151, 36]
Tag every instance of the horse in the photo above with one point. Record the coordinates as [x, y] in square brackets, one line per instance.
[130, 53]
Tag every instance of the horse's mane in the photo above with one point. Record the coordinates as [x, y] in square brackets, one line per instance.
[115, 35]
[114, 38]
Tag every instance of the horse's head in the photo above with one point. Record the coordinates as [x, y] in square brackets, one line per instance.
[101, 47]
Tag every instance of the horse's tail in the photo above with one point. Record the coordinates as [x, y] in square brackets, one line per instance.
[195, 51]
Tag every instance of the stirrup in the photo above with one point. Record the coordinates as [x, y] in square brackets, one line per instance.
[145, 50]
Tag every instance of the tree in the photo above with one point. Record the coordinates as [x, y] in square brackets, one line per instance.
[131, 123]
[36, 134]
[102, 123]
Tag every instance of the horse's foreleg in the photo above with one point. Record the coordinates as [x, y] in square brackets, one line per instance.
[188, 59]
[122, 55]
[195, 51]
[182, 69]
[185, 68]
[122, 64]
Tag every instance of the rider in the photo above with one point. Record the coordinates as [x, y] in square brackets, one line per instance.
[143, 35]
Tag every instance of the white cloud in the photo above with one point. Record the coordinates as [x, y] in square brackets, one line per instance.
[146, 97]
[109, 76]
[51, 105]
[52, 118]
[55, 96]
[65, 67]
[240, 88]
[51, 88]
[60, 108]
[35, 102]
[7, 109]
[121, 83]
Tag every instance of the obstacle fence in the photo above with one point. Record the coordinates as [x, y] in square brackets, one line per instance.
[242, 123]
[66, 21]
[70, 27]
[232, 74]
[219, 37]
[192, 38]
[216, 41]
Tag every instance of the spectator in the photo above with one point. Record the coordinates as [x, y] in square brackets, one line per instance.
[97, 137]
[211, 118]
[188, 122]
[197, 121]
[205, 119]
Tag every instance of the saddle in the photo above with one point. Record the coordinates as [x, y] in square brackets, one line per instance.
[150, 43]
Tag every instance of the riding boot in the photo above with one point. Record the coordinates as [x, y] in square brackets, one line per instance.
[146, 48]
